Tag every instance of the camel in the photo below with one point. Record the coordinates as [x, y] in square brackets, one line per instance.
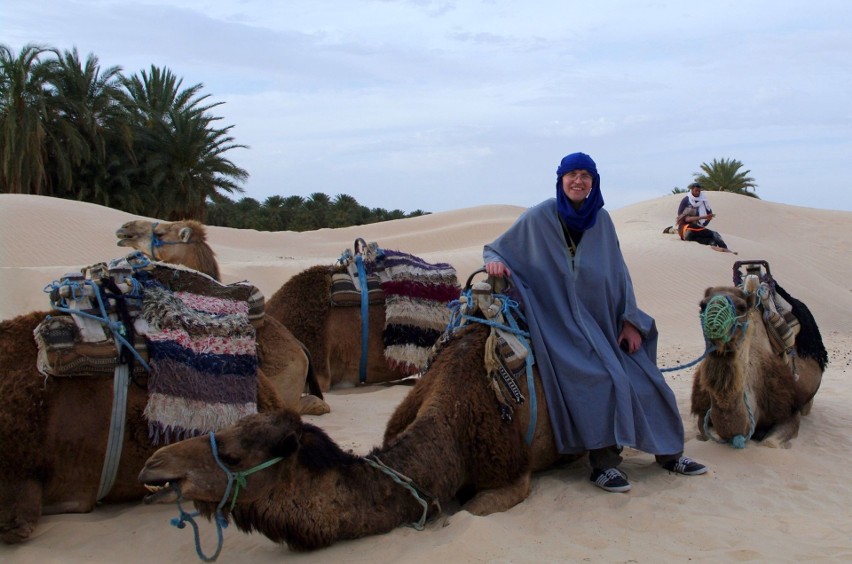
[285, 359]
[743, 389]
[446, 438]
[53, 435]
[332, 335]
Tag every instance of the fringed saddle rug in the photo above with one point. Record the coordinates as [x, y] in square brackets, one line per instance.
[195, 335]
[417, 294]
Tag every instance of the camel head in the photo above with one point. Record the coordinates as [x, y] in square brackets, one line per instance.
[189, 469]
[180, 242]
[724, 317]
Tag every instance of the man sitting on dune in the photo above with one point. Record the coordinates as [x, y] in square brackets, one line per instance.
[693, 215]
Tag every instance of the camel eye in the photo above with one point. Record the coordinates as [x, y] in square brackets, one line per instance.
[228, 460]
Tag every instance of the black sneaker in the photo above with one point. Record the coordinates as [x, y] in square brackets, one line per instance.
[611, 480]
[685, 466]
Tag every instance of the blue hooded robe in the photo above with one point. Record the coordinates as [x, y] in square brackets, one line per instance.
[597, 394]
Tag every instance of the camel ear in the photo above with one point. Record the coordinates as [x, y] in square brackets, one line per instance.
[286, 446]
[185, 234]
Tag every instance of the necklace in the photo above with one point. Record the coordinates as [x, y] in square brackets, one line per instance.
[572, 246]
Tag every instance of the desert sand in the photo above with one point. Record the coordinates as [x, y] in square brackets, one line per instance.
[756, 504]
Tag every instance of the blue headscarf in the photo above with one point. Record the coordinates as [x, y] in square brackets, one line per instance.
[585, 217]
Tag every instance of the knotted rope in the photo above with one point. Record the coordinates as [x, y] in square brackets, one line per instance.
[235, 480]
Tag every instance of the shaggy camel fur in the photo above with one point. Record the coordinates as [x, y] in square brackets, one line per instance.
[332, 335]
[447, 436]
[748, 389]
[284, 358]
[53, 435]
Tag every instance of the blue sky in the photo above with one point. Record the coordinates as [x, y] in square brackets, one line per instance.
[439, 105]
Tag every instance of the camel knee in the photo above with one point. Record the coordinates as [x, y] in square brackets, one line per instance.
[780, 435]
[496, 500]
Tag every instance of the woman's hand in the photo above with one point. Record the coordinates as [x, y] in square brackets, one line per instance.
[629, 339]
[497, 269]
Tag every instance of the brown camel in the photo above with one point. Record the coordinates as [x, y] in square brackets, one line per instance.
[332, 335]
[284, 358]
[744, 388]
[447, 436]
[53, 435]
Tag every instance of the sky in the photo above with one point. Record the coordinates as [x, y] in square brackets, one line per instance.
[438, 105]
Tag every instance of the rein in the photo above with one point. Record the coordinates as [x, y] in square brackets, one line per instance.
[235, 480]
[409, 485]
[156, 242]
[718, 322]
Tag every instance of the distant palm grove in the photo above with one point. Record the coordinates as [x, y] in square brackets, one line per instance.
[139, 143]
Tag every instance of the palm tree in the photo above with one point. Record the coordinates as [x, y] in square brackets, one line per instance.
[23, 114]
[88, 125]
[179, 152]
[724, 175]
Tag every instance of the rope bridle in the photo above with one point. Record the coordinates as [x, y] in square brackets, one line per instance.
[236, 480]
[156, 242]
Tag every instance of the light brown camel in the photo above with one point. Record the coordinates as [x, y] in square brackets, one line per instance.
[447, 436]
[284, 358]
[743, 389]
[332, 335]
[53, 435]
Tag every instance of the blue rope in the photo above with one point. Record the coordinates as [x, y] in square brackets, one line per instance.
[737, 441]
[117, 328]
[508, 308]
[365, 317]
[238, 478]
[156, 242]
[710, 348]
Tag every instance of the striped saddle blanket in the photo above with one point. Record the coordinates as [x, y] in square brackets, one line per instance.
[194, 336]
[416, 295]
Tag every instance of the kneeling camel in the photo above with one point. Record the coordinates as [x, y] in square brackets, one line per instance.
[285, 359]
[744, 389]
[447, 436]
[53, 435]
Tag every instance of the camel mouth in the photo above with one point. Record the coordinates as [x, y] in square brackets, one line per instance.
[124, 238]
[162, 492]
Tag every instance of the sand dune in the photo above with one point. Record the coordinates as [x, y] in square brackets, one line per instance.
[757, 504]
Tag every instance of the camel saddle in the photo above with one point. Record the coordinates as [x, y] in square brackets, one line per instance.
[99, 308]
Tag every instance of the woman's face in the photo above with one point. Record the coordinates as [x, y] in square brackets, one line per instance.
[576, 185]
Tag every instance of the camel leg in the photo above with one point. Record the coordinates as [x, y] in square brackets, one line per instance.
[806, 409]
[496, 500]
[780, 435]
[699, 424]
[20, 510]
